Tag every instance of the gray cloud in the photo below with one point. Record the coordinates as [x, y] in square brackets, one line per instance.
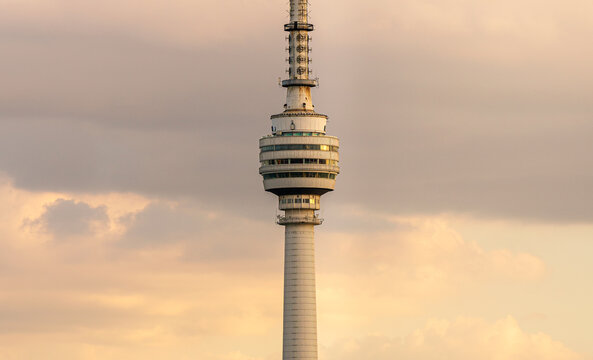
[510, 146]
[204, 236]
[67, 218]
[160, 224]
[431, 120]
[100, 114]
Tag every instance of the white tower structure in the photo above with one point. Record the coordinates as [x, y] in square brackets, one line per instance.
[299, 163]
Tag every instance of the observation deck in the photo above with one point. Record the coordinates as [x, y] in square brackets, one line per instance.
[305, 164]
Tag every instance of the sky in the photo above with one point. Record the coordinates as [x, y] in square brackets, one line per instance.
[133, 221]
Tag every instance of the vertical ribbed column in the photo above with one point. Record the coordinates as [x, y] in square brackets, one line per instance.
[300, 316]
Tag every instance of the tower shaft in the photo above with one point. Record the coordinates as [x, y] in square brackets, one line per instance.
[300, 316]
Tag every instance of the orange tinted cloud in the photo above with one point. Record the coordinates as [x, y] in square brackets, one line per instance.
[462, 339]
[90, 297]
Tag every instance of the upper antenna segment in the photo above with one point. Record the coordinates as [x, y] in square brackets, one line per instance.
[299, 11]
[299, 49]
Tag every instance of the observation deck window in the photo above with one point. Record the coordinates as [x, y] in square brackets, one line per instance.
[300, 161]
[289, 133]
[285, 175]
[299, 147]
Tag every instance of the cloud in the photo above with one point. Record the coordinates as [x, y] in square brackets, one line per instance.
[427, 248]
[180, 23]
[176, 286]
[238, 356]
[201, 235]
[470, 108]
[409, 269]
[93, 299]
[69, 218]
[475, 108]
[162, 224]
[462, 339]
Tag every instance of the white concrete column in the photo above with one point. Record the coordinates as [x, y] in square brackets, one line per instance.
[299, 98]
[300, 316]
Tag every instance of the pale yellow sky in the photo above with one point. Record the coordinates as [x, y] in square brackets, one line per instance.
[133, 223]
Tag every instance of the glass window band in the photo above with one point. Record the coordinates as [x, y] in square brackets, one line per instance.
[299, 147]
[298, 133]
[285, 175]
[300, 161]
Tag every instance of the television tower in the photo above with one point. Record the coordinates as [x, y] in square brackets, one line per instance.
[299, 163]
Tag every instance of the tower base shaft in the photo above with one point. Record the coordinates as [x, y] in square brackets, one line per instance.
[300, 315]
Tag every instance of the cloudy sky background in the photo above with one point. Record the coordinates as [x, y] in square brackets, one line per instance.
[133, 223]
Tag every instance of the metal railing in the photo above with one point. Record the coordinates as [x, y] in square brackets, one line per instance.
[285, 220]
